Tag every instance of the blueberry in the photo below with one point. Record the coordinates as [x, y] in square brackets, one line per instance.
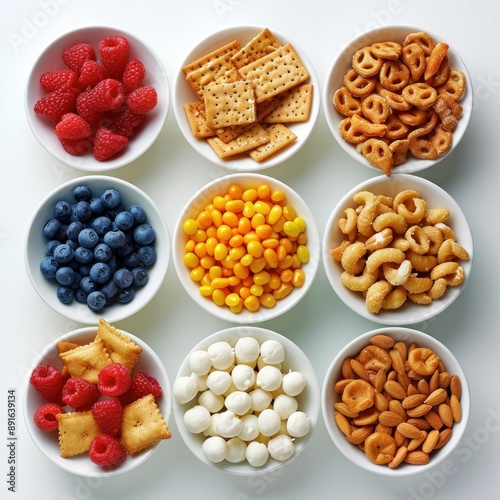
[50, 246]
[62, 210]
[100, 272]
[101, 225]
[63, 232]
[65, 276]
[140, 276]
[113, 212]
[124, 220]
[114, 238]
[131, 260]
[111, 198]
[48, 267]
[83, 211]
[76, 281]
[63, 253]
[138, 213]
[88, 238]
[109, 289]
[73, 244]
[123, 278]
[84, 269]
[73, 230]
[144, 234]
[125, 296]
[147, 255]
[125, 250]
[65, 294]
[96, 300]
[102, 252]
[82, 193]
[96, 206]
[80, 296]
[51, 229]
[87, 285]
[84, 255]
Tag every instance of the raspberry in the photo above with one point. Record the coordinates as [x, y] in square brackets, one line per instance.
[92, 73]
[108, 94]
[75, 55]
[114, 380]
[107, 144]
[142, 100]
[72, 126]
[84, 109]
[77, 147]
[57, 103]
[48, 381]
[106, 451]
[108, 414]
[133, 75]
[60, 78]
[142, 385]
[79, 393]
[45, 417]
[125, 122]
[114, 52]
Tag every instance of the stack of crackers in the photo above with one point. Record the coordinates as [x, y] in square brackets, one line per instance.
[143, 424]
[247, 95]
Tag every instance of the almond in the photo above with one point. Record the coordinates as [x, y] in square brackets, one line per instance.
[399, 457]
[382, 340]
[417, 457]
[381, 402]
[421, 423]
[367, 417]
[456, 408]
[444, 380]
[444, 412]
[409, 430]
[414, 400]
[434, 381]
[347, 371]
[456, 386]
[395, 389]
[383, 428]
[436, 397]
[430, 441]
[423, 386]
[444, 437]
[400, 439]
[359, 435]
[360, 370]
[341, 384]
[397, 361]
[434, 419]
[414, 444]
[344, 409]
[397, 407]
[380, 380]
[418, 411]
[403, 350]
[390, 418]
[343, 424]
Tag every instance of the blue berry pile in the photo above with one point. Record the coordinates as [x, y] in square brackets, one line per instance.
[97, 251]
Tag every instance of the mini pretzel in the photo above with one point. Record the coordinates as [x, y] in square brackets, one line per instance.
[399, 149]
[442, 74]
[395, 299]
[455, 108]
[420, 95]
[376, 294]
[396, 129]
[397, 275]
[395, 101]
[421, 38]
[414, 58]
[422, 148]
[375, 108]
[349, 134]
[379, 240]
[378, 153]
[390, 219]
[435, 59]
[352, 259]
[387, 50]
[394, 75]
[366, 63]
[357, 85]
[441, 139]
[413, 117]
[363, 126]
[345, 103]
[455, 85]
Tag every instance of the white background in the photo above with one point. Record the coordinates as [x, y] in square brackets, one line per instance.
[170, 173]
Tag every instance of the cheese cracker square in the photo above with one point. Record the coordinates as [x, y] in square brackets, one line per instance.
[230, 48]
[259, 46]
[76, 432]
[279, 138]
[196, 120]
[294, 106]
[251, 138]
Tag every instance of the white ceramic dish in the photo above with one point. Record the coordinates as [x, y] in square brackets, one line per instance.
[50, 59]
[197, 203]
[183, 94]
[435, 196]
[309, 399]
[329, 397]
[342, 63]
[47, 442]
[35, 243]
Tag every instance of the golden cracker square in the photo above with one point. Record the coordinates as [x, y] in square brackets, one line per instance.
[229, 48]
[294, 106]
[259, 46]
[196, 120]
[76, 432]
[280, 137]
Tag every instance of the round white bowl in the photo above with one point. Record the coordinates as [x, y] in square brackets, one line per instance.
[197, 203]
[47, 442]
[342, 63]
[184, 94]
[50, 59]
[435, 196]
[35, 242]
[309, 399]
[329, 396]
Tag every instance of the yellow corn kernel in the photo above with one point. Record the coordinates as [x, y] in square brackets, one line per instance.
[197, 273]
[258, 264]
[267, 300]
[235, 191]
[274, 214]
[199, 236]
[236, 241]
[227, 262]
[224, 232]
[301, 239]
[232, 299]
[237, 308]
[248, 209]
[246, 260]
[282, 291]
[286, 262]
[301, 223]
[271, 257]
[210, 245]
[235, 205]
[286, 276]
[255, 248]
[220, 283]
[270, 243]
[244, 226]
[206, 280]
[291, 229]
[207, 262]
[206, 290]
[190, 227]
[263, 231]
[263, 191]
[252, 303]
[303, 254]
[230, 219]
[299, 278]
[256, 290]
[237, 253]
[216, 217]
[220, 251]
[204, 219]
[289, 212]
[219, 202]
[200, 249]
[261, 278]
[275, 281]
[191, 260]
[215, 272]
[189, 246]
[234, 281]
[278, 225]
[278, 195]
[219, 297]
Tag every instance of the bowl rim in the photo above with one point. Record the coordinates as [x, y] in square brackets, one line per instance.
[313, 394]
[355, 301]
[70, 465]
[282, 306]
[351, 452]
[160, 267]
[242, 163]
[158, 115]
[333, 118]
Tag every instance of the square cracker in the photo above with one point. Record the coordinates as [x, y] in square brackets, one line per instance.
[251, 138]
[228, 104]
[142, 425]
[280, 137]
[294, 106]
[259, 46]
[119, 347]
[86, 361]
[276, 72]
[196, 120]
[229, 48]
[76, 432]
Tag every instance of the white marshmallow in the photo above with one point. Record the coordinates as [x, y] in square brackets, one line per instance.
[215, 448]
[237, 449]
[211, 401]
[257, 454]
[249, 427]
[201, 381]
[197, 419]
[218, 381]
[243, 377]
[298, 424]
[269, 378]
[211, 430]
[229, 425]
[184, 389]
[285, 405]
[221, 355]
[272, 352]
[199, 362]
[293, 383]
[247, 350]
[239, 402]
[281, 447]
[269, 422]
[261, 399]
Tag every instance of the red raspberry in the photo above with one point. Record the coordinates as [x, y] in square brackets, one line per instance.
[92, 73]
[72, 126]
[107, 144]
[85, 110]
[133, 75]
[106, 451]
[79, 393]
[124, 122]
[57, 103]
[108, 94]
[114, 380]
[77, 147]
[75, 55]
[45, 417]
[114, 52]
[142, 385]
[142, 100]
[59, 78]
[108, 414]
[48, 381]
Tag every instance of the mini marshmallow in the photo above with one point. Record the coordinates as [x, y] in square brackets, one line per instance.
[236, 450]
[239, 402]
[249, 427]
[211, 401]
[211, 430]
[272, 352]
[229, 425]
[199, 362]
[269, 422]
[243, 377]
[215, 448]
[257, 454]
[201, 381]
[281, 447]
[298, 424]
[184, 389]
[197, 419]
[261, 399]
[285, 405]
[218, 381]
[221, 355]
[293, 383]
[269, 378]
[247, 350]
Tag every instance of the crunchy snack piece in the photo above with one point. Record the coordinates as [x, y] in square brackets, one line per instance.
[142, 425]
[251, 138]
[279, 138]
[63, 347]
[293, 106]
[196, 120]
[229, 48]
[76, 432]
[259, 46]
[378, 153]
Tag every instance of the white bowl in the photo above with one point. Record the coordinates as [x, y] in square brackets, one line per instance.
[184, 94]
[197, 203]
[342, 63]
[47, 442]
[309, 399]
[329, 396]
[435, 196]
[35, 243]
[50, 59]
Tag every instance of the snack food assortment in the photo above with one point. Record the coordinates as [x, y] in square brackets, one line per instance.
[397, 402]
[400, 98]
